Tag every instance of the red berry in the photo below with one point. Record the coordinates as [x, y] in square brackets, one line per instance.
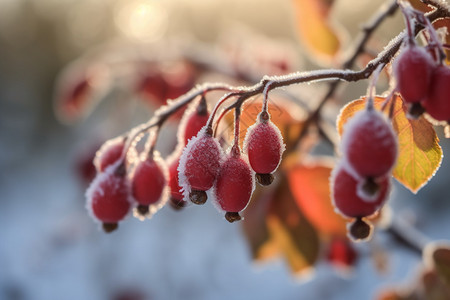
[437, 103]
[148, 182]
[369, 144]
[413, 69]
[176, 197]
[346, 198]
[341, 253]
[199, 166]
[152, 86]
[109, 153]
[108, 197]
[234, 186]
[193, 121]
[264, 145]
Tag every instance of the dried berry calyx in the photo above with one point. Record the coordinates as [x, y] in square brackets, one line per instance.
[360, 230]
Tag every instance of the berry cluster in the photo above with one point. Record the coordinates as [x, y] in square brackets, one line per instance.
[203, 165]
[360, 182]
[422, 77]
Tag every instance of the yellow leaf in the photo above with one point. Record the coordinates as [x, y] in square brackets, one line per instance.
[420, 154]
[311, 189]
[315, 32]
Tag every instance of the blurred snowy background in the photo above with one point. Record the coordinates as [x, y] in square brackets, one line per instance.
[51, 249]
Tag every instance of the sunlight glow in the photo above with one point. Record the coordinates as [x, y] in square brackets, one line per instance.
[142, 20]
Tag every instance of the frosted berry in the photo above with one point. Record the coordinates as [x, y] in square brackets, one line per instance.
[341, 253]
[199, 165]
[148, 182]
[437, 102]
[264, 146]
[346, 198]
[109, 153]
[412, 69]
[194, 121]
[234, 186]
[176, 197]
[108, 197]
[369, 144]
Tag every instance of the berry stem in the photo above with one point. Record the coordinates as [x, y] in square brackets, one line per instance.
[244, 93]
[237, 117]
[371, 90]
[408, 16]
[266, 97]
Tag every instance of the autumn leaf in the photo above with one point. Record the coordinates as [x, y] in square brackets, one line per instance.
[254, 226]
[311, 189]
[273, 225]
[315, 30]
[297, 239]
[420, 154]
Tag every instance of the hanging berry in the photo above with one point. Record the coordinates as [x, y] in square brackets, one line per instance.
[369, 146]
[413, 69]
[234, 186]
[108, 196]
[148, 182]
[176, 196]
[199, 165]
[193, 121]
[264, 146]
[109, 153]
[437, 101]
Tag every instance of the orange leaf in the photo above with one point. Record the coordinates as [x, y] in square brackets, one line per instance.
[419, 152]
[294, 235]
[320, 38]
[310, 186]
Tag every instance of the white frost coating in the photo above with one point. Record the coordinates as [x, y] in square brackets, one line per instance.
[154, 207]
[107, 174]
[381, 128]
[251, 131]
[187, 155]
[420, 53]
